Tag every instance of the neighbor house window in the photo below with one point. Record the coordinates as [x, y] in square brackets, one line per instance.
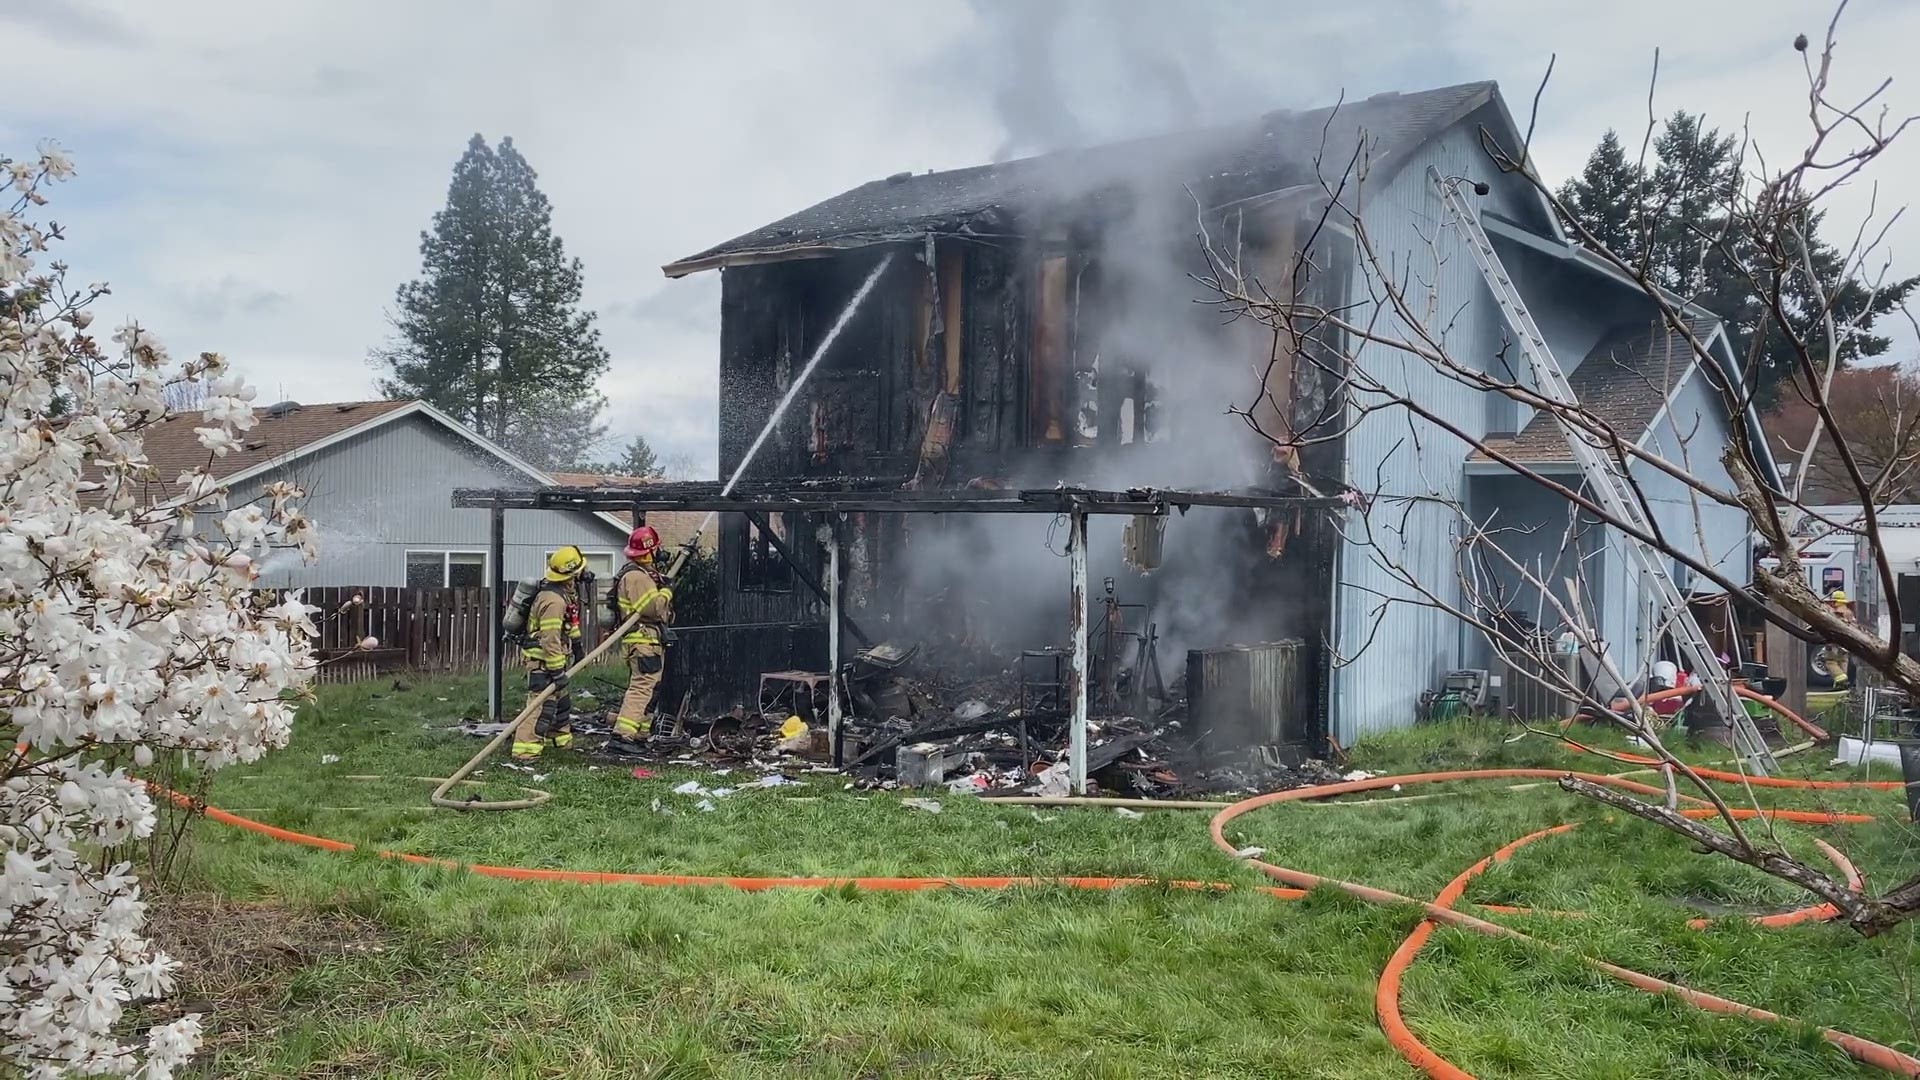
[440, 569]
[466, 569]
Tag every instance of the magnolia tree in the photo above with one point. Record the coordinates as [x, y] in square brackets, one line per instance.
[122, 636]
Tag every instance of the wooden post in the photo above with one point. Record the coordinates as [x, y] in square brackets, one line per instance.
[833, 636]
[497, 599]
[1787, 659]
[1077, 671]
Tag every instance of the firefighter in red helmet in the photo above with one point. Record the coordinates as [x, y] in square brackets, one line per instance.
[640, 588]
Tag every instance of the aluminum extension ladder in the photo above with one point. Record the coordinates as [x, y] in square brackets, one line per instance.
[1609, 487]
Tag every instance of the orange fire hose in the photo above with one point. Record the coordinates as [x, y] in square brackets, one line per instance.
[1442, 911]
[1294, 884]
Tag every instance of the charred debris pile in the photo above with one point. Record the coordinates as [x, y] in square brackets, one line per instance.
[1217, 725]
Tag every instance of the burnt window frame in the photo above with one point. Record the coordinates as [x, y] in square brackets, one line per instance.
[759, 567]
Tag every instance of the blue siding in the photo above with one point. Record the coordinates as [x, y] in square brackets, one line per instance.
[1392, 651]
[388, 491]
[1389, 654]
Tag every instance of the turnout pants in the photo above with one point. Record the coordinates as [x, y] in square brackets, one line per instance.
[645, 662]
[554, 722]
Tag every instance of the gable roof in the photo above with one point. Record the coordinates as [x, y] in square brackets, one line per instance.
[1626, 381]
[285, 433]
[172, 446]
[1219, 164]
[675, 527]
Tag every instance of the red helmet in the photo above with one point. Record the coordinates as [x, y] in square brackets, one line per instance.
[643, 543]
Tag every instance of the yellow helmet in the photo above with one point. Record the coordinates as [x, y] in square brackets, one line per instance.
[565, 564]
[1838, 596]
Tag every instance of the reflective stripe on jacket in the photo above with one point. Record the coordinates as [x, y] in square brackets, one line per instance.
[546, 630]
[638, 592]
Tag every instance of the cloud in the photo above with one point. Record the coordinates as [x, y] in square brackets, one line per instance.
[215, 301]
[691, 303]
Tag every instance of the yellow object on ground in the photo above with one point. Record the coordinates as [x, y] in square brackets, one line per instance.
[793, 728]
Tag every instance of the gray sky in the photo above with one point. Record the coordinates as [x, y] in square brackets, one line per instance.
[253, 178]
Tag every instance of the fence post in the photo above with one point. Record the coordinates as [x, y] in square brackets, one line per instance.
[496, 598]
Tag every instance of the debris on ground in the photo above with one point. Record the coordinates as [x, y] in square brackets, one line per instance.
[908, 724]
[929, 805]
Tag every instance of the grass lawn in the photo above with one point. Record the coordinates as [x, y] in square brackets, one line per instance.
[319, 964]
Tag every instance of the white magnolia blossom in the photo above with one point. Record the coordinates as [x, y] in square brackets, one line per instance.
[116, 640]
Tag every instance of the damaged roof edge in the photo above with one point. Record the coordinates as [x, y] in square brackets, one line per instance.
[818, 249]
[911, 206]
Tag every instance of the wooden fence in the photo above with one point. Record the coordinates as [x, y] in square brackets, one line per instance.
[440, 630]
[445, 630]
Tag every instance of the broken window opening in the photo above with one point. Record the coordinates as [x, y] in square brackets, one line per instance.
[762, 568]
[1050, 356]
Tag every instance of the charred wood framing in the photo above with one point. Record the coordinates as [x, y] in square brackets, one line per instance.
[804, 572]
[820, 498]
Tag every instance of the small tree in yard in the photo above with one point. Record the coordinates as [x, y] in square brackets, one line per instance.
[1808, 308]
[117, 643]
[492, 332]
[638, 459]
[1879, 408]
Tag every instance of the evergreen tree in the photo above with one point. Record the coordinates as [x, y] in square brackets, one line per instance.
[492, 331]
[1604, 196]
[1682, 208]
[638, 459]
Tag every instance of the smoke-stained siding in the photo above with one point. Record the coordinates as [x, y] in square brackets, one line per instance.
[388, 491]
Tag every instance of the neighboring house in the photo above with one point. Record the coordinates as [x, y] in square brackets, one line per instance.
[1047, 306]
[379, 478]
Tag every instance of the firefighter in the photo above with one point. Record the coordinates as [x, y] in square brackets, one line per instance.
[1832, 660]
[641, 589]
[552, 637]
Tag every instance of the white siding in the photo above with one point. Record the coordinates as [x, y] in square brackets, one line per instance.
[389, 491]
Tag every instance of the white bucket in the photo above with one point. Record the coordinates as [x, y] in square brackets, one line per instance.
[1854, 751]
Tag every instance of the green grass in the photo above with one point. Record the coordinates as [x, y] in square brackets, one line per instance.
[410, 971]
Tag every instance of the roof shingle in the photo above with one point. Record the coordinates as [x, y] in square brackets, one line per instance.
[1220, 164]
[1624, 381]
[173, 448]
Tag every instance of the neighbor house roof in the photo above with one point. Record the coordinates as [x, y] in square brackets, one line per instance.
[285, 433]
[1625, 380]
[675, 527]
[1219, 164]
[173, 447]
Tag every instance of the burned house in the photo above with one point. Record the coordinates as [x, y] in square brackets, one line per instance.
[1042, 321]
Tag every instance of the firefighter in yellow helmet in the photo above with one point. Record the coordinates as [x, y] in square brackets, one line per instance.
[552, 638]
[1832, 659]
[640, 588]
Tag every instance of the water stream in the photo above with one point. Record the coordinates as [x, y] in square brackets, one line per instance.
[793, 391]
